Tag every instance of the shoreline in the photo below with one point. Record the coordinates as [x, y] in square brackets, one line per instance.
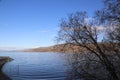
[4, 60]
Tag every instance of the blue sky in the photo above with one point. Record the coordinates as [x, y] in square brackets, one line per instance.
[34, 23]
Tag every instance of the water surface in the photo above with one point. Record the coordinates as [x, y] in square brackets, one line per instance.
[36, 66]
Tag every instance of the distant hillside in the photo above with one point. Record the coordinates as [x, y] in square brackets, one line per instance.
[66, 48]
[56, 48]
[40, 49]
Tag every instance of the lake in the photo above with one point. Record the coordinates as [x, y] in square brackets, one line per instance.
[37, 66]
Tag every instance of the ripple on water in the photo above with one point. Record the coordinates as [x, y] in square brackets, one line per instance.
[40, 66]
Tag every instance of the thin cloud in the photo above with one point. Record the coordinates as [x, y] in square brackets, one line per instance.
[88, 19]
[101, 28]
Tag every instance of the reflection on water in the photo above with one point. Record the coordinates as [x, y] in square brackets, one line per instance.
[37, 66]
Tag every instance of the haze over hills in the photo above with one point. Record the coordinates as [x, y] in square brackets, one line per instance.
[10, 49]
[56, 48]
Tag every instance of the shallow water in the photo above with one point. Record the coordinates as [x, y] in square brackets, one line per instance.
[36, 66]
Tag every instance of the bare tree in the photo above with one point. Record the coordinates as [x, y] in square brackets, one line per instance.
[79, 31]
[110, 16]
[110, 12]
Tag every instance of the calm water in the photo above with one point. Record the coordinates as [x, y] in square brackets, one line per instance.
[36, 66]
